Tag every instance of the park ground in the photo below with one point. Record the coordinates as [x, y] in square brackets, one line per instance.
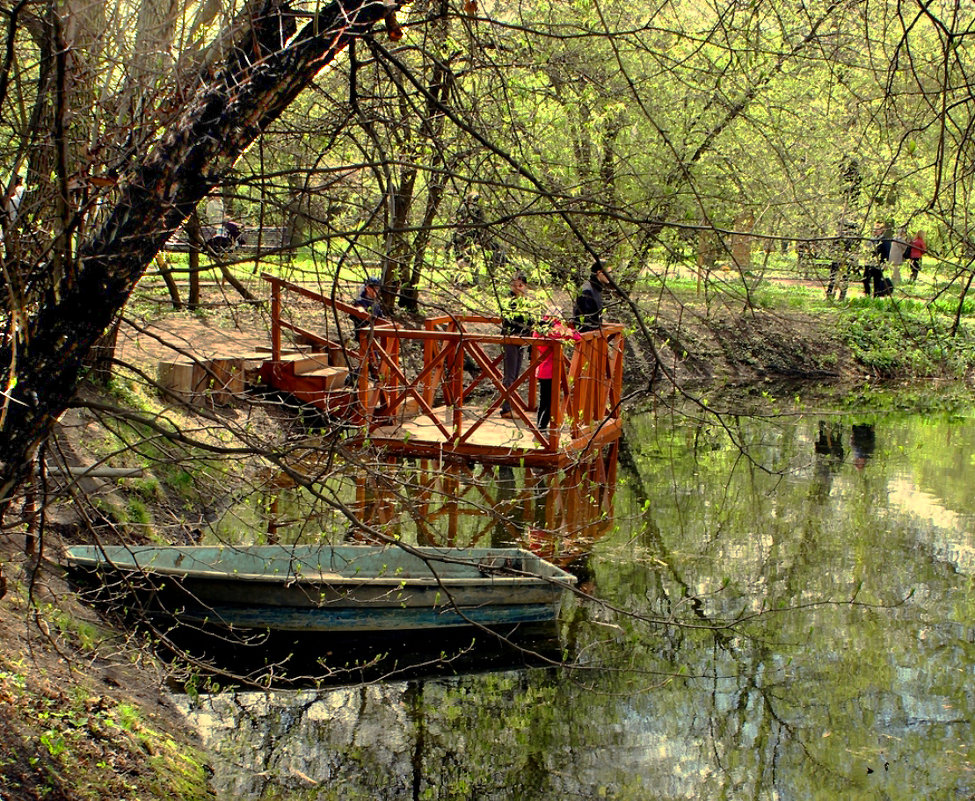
[83, 712]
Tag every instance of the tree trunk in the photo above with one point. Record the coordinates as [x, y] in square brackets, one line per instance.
[102, 354]
[167, 276]
[195, 237]
[259, 77]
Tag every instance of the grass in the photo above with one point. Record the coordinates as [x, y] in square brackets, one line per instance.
[65, 739]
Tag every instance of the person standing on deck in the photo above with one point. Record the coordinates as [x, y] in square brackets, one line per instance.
[587, 312]
[551, 327]
[515, 322]
[370, 302]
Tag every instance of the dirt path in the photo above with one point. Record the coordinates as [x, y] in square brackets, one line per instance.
[164, 340]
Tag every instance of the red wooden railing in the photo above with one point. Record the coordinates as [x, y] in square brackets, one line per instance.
[588, 377]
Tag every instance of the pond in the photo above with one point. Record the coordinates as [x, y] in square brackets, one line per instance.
[782, 607]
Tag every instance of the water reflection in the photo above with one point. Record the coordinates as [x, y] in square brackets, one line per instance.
[773, 622]
[556, 514]
[864, 442]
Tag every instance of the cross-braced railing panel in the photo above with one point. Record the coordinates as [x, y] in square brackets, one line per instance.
[457, 386]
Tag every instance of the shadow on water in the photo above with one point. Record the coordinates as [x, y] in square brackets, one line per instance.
[286, 661]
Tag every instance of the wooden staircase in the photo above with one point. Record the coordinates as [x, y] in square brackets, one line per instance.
[311, 379]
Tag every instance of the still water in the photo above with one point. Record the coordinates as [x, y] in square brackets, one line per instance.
[781, 608]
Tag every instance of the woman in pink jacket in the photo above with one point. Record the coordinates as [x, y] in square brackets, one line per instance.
[551, 327]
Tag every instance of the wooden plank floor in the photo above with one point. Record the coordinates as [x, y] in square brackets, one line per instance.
[495, 432]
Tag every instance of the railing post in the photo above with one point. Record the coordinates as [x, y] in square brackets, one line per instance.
[457, 380]
[617, 396]
[603, 374]
[429, 383]
[275, 321]
[532, 381]
[555, 421]
[364, 392]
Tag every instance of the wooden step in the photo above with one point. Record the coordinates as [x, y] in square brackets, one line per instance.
[332, 377]
[203, 383]
[306, 362]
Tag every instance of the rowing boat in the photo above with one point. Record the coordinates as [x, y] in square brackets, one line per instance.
[327, 588]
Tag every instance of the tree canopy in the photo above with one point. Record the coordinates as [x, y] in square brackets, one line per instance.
[564, 131]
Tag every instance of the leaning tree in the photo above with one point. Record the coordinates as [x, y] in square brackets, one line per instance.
[139, 184]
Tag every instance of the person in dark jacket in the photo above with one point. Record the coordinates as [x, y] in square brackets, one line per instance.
[515, 322]
[587, 311]
[873, 272]
[368, 301]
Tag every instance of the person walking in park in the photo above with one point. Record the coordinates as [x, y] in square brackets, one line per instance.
[898, 250]
[515, 322]
[873, 271]
[915, 252]
[844, 260]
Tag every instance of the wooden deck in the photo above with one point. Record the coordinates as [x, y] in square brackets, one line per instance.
[488, 437]
[448, 405]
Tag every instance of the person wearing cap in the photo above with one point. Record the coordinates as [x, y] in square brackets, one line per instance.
[515, 322]
[587, 311]
[368, 301]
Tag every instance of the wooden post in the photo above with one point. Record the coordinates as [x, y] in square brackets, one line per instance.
[365, 401]
[457, 376]
[600, 370]
[555, 421]
[275, 321]
[430, 383]
[195, 237]
[532, 382]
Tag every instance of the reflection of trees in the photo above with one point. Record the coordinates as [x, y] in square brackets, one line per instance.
[778, 547]
[797, 703]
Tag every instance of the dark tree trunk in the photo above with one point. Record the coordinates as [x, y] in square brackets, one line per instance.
[257, 80]
[102, 354]
[167, 277]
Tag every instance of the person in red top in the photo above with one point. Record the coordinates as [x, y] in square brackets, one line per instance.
[551, 327]
[915, 251]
